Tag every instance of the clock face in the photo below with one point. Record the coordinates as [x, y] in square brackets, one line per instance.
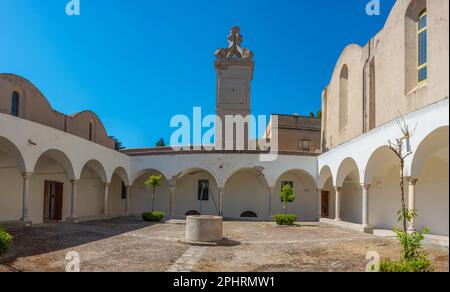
[233, 91]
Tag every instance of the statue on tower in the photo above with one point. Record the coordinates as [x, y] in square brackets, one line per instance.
[234, 50]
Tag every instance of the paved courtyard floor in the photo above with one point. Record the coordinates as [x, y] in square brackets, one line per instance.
[128, 244]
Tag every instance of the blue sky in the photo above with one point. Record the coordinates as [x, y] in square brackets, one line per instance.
[137, 63]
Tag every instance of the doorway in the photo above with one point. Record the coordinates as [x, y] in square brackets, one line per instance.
[53, 201]
[325, 205]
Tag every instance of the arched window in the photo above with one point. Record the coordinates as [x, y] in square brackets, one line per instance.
[91, 131]
[416, 34]
[343, 98]
[15, 104]
[422, 68]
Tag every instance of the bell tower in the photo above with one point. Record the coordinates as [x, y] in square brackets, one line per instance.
[234, 68]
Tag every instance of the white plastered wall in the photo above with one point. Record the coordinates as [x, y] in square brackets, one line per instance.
[246, 191]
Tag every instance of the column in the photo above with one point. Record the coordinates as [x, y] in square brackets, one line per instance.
[26, 195]
[172, 200]
[365, 211]
[73, 200]
[412, 200]
[319, 205]
[127, 201]
[338, 204]
[106, 199]
[221, 191]
[271, 195]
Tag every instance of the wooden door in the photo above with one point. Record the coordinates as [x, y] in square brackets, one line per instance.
[59, 190]
[53, 201]
[325, 206]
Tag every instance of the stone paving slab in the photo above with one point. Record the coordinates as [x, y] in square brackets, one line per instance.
[131, 245]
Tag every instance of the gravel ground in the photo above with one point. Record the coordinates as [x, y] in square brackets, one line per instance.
[128, 244]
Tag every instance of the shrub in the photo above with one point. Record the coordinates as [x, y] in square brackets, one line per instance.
[285, 219]
[411, 243]
[155, 216]
[418, 265]
[5, 241]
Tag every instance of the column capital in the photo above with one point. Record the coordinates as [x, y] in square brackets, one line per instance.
[366, 186]
[27, 175]
[338, 189]
[107, 184]
[412, 180]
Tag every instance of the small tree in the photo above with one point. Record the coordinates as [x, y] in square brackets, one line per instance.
[287, 196]
[152, 183]
[402, 150]
[117, 144]
[161, 143]
[413, 259]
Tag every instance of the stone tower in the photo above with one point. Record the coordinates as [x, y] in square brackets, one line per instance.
[234, 67]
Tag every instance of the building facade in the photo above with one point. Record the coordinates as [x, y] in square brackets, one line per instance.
[55, 167]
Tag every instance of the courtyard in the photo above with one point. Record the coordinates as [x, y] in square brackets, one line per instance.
[131, 245]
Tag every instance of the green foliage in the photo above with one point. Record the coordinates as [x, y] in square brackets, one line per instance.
[319, 115]
[287, 196]
[152, 183]
[413, 258]
[411, 243]
[160, 143]
[155, 216]
[285, 219]
[407, 215]
[5, 241]
[418, 265]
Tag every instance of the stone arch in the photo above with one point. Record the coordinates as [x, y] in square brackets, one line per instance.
[348, 180]
[187, 188]
[60, 157]
[122, 173]
[324, 175]
[51, 167]
[305, 189]
[246, 189]
[98, 168]
[192, 170]
[347, 167]
[430, 165]
[91, 190]
[141, 195]
[433, 142]
[378, 159]
[12, 150]
[382, 173]
[12, 167]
